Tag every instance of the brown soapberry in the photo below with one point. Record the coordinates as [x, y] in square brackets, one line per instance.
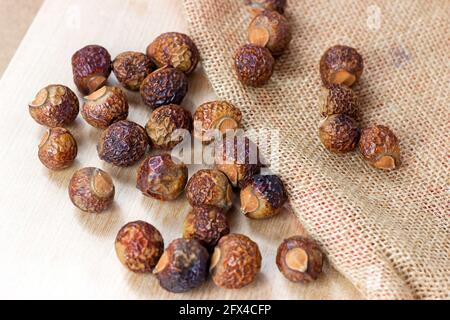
[337, 99]
[253, 65]
[339, 133]
[54, 106]
[257, 6]
[139, 245]
[91, 190]
[379, 146]
[57, 149]
[341, 65]
[236, 261]
[123, 143]
[183, 266]
[131, 68]
[163, 125]
[161, 177]
[299, 259]
[91, 67]
[104, 107]
[176, 50]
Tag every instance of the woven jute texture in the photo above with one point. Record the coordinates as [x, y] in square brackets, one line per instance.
[388, 232]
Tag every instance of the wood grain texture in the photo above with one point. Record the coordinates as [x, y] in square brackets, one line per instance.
[52, 250]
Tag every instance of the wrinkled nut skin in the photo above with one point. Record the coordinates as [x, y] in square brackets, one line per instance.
[238, 158]
[176, 50]
[104, 107]
[209, 188]
[270, 29]
[54, 106]
[257, 6]
[160, 177]
[164, 86]
[215, 115]
[236, 261]
[183, 266]
[253, 65]
[299, 259]
[263, 197]
[338, 99]
[339, 133]
[163, 123]
[131, 68]
[57, 149]
[91, 190]
[340, 59]
[123, 143]
[207, 225]
[380, 147]
[91, 67]
[139, 245]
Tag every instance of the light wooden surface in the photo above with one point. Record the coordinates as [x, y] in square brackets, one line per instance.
[52, 250]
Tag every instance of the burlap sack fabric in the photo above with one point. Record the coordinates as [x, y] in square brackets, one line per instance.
[388, 232]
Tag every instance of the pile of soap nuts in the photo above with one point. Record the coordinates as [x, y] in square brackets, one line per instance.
[160, 74]
[340, 69]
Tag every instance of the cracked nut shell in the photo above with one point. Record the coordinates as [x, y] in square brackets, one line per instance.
[139, 245]
[338, 99]
[210, 188]
[91, 67]
[207, 225]
[91, 190]
[263, 197]
[164, 122]
[57, 149]
[299, 259]
[123, 143]
[341, 65]
[183, 266]
[270, 29]
[176, 50]
[164, 86]
[215, 115]
[236, 261]
[104, 107]
[161, 177]
[54, 106]
[339, 133]
[131, 68]
[257, 6]
[253, 65]
[380, 147]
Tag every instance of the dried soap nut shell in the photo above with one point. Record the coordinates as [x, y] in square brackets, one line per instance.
[341, 65]
[57, 149]
[263, 197]
[253, 65]
[338, 99]
[299, 259]
[163, 123]
[183, 266]
[131, 68]
[236, 261]
[207, 225]
[257, 6]
[209, 188]
[104, 107]
[139, 245]
[161, 177]
[54, 106]
[91, 190]
[164, 86]
[123, 143]
[270, 29]
[380, 147]
[91, 67]
[176, 50]
[339, 133]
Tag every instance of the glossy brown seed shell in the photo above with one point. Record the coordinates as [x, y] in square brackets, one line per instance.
[253, 65]
[139, 245]
[257, 6]
[57, 149]
[338, 99]
[131, 68]
[54, 106]
[339, 133]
